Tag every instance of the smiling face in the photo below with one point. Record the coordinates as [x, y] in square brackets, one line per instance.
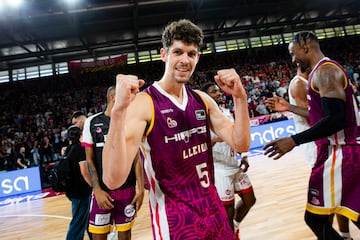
[180, 61]
[215, 92]
[300, 55]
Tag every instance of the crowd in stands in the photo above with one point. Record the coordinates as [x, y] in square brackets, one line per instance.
[36, 113]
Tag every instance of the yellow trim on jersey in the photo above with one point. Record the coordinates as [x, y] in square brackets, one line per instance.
[328, 211]
[203, 99]
[151, 125]
[345, 77]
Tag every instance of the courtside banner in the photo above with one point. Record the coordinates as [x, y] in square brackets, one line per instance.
[265, 133]
[20, 181]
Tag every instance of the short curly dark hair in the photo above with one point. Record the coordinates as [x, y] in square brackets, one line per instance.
[183, 30]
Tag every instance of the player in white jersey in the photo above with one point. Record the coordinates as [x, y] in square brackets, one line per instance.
[230, 172]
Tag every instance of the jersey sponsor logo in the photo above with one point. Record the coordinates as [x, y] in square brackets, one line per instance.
[171, 122]
[170, 110]
[100, 144]
[195, 150]
[98, 124]
[200, 114]
[98, 130]
[314, 192]
[185, 135]
[129, 211]
[102, 219]
[227, 191]
[315, 201]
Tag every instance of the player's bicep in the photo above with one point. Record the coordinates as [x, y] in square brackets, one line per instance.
[219, 123]
[138, 116]
[330, 81]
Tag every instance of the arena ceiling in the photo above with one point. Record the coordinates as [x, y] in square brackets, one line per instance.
[51, 31]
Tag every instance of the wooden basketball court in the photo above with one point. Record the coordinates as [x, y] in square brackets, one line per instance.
[280, 188]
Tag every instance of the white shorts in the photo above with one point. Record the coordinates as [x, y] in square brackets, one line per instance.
[228, 185]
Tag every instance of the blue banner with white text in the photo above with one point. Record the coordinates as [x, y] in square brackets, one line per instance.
[262, 134]
[19, 181]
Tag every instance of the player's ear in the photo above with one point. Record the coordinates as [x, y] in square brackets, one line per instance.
[305, 48]
[163, 53]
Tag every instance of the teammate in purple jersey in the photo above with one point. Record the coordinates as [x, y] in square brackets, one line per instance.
[334, 185]
[173, 122]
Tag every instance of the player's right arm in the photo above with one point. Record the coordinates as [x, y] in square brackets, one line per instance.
[299, 92]
[129, 117]
[103, 199]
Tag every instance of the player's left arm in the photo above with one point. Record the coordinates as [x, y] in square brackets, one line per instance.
[237, 134]
[239, 131]
[329, 81]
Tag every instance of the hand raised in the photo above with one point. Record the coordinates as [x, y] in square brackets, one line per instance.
[127, 86]
[229, 81]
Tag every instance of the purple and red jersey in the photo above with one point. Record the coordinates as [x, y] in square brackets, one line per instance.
[179, 166]
[334, 185]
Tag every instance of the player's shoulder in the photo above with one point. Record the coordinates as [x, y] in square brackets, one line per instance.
[94, 117]
[298, 81]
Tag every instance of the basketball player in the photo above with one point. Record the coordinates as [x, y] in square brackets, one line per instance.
[176, 122]
[333, 185]
[298, 97]
[109, 205]
[230, 176]
[78, 119]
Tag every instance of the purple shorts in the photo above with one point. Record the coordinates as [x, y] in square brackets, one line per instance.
[334, 185]
[123, 213]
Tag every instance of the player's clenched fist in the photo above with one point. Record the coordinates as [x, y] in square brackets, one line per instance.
[230, 82]
[127, 86]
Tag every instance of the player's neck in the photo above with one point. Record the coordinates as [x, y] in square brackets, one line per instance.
[108, 111]
[172, 88]
[316, 59]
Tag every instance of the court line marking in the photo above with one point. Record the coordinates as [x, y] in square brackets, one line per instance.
[36, 215]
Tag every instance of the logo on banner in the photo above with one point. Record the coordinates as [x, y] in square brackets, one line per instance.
[20, 181]
[263, 134]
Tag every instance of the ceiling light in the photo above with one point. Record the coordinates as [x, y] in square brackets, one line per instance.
[14, 3]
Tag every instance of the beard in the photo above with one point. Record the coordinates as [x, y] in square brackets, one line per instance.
[182, 78]
[303, 68]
